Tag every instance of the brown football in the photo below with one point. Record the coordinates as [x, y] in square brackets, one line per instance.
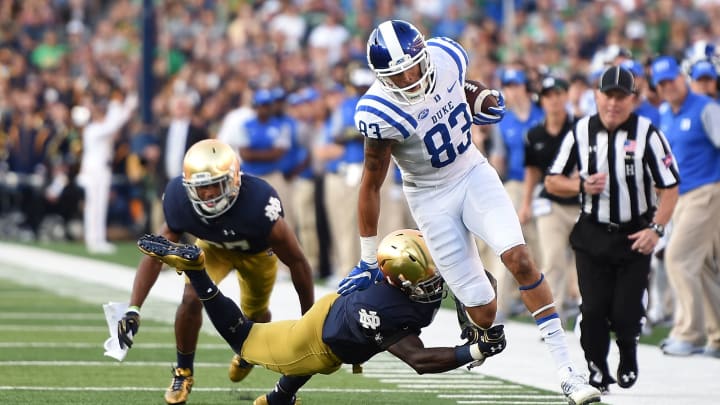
[477, 103]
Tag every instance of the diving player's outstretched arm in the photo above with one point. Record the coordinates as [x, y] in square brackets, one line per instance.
[412, 351]
[286, 247]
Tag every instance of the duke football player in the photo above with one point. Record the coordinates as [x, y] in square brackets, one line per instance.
[338, 329]
[417, 114]
[238, 222]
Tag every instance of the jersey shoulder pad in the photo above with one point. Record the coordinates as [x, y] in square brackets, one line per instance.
[379, 117]
[447, 53]
[262, 199]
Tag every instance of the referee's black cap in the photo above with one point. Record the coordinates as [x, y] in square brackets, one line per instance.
[617, 78]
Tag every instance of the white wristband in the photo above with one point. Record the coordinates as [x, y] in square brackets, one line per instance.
[368, 249]
[475, 352]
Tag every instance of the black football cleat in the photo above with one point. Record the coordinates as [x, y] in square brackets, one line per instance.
[180, 256]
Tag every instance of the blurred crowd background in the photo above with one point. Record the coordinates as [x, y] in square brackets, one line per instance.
[68, 64]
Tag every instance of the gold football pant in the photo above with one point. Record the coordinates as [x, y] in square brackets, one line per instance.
[293, 347]
[255, 273]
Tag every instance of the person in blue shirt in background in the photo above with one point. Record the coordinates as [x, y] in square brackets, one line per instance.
[264, 141]
[691, 123]
[643, 107]
[298, 170]
[345, 143]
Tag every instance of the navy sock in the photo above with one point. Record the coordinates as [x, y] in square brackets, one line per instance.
[203, 285]
[286, 388]
[185, 360]
[225, 315]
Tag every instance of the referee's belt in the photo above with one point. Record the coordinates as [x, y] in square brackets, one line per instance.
[634, 225]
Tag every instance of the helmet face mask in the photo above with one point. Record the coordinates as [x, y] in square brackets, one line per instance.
[405, 261]
[395, 47]
[211, 164]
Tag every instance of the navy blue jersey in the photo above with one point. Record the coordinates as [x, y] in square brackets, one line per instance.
[244, 227]
[364, 323]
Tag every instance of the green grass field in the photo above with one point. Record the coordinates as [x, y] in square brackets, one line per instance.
[51, 353]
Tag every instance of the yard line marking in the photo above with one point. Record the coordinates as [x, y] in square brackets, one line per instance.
[77, 345]
[468, 386]
[499, 396]
[111, 363]
[54, 315]
[215, 389]
[470, 377]
[431, 380]
[75, 328]
[495, 401]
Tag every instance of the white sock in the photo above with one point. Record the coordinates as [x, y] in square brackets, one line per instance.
[554, 337]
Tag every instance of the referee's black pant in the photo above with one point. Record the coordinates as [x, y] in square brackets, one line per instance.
[612, 280]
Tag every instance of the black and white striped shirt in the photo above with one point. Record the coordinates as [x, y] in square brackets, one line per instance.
[636, 158]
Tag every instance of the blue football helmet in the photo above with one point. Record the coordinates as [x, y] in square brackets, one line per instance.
[394, 47]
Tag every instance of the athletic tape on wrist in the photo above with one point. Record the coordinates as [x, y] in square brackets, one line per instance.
[368, 249]
[134, 308]
[475, 352]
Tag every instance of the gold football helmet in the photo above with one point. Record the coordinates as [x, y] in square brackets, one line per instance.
[211, 163]
[405, 261]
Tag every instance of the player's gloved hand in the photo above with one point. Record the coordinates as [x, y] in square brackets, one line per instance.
[360, 278]
[485, 343]
[128, 328]
[494, 114]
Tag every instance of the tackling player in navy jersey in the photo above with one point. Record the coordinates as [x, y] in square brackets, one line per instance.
[347, 329]
[238, 222]
[416, 113]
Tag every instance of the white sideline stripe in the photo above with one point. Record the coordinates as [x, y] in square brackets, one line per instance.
[71, 345]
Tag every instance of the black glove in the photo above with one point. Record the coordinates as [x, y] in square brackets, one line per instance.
[128, 328]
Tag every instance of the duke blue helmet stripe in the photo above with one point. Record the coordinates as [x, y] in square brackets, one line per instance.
[387, 118]
[395, 108]
[387, 32]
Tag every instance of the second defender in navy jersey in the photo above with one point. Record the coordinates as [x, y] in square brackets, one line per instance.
[347, 329]
[238, 222]
[417, 113]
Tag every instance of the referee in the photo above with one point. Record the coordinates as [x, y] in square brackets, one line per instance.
[628, 184]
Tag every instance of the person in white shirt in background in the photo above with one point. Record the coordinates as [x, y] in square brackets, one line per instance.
[106, 119]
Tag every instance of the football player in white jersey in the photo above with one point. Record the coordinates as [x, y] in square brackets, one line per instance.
[417, 113]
